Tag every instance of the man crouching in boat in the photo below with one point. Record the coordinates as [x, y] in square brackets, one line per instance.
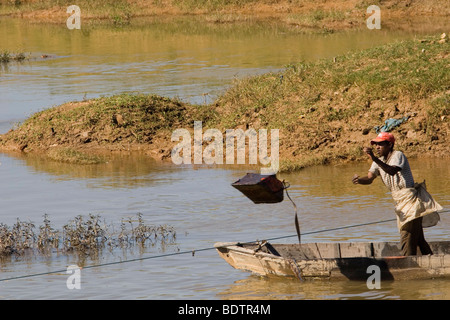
[415, 208]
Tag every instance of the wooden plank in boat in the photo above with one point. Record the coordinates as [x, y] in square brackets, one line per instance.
[309, 251]
[440, 247]
[327, 250]
[355, 249]
[386, 249]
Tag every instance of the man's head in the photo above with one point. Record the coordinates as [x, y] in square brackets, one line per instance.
[384, 143]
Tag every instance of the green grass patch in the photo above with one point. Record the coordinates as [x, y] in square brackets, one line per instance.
[69, 155]
[339, 89]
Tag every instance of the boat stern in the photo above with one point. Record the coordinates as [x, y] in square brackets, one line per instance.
[252, 259]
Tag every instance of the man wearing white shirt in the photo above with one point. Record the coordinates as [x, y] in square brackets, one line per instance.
[395, 172]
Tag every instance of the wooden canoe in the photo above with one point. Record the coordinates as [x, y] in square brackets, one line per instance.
[336, 260]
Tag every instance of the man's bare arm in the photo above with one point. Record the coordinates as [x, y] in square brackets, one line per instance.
[391, 170]
[364, 180]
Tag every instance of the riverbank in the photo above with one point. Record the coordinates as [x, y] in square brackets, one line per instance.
[326, 111]
[305, 16]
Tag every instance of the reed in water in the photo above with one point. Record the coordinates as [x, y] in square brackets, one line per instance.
[83, 235]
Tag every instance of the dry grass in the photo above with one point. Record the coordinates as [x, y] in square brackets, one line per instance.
[308, 15]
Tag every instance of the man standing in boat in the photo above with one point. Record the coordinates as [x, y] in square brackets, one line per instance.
[415, 208]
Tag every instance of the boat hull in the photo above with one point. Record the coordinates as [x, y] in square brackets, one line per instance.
[350, 261]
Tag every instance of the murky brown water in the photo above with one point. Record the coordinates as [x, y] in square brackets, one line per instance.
[198, 202]
[203, 207]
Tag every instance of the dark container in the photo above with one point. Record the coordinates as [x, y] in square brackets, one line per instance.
[260, 188]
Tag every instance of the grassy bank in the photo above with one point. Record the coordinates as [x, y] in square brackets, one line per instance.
[326, 111]
[305, 15]
[80, 132]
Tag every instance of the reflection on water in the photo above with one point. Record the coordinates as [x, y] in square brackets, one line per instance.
[256, 288]
[118, 171]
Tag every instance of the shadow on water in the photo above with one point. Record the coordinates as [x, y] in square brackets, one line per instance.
[118, 171]
[276, 288]
[356, 268]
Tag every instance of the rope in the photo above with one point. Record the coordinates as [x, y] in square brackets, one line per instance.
[297, 226]
[198, 250]
[107, 264]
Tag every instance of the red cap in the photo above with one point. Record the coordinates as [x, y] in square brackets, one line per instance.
[384, 136]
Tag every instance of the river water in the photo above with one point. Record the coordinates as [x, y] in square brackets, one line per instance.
[195, 63]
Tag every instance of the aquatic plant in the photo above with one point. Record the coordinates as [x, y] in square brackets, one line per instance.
[16, 239]
[83, 235]
[6, 56]
[142, 233]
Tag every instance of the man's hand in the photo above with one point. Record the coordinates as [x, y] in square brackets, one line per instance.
[364, 180]
[369, 152]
